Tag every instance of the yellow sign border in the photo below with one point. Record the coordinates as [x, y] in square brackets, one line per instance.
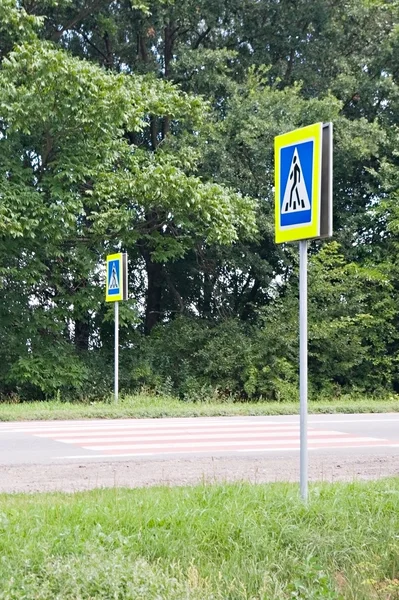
[294, 233]
[114, 297]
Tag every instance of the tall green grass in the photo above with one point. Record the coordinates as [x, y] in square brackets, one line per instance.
[233, 542]
[144, 405]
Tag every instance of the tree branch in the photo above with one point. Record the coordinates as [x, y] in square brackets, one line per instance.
[90, 43]
[79, 17]
[201, 37]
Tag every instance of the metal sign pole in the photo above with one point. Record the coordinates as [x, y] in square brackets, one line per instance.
[116, 374]
[303, 365]
[303, 211]
[116, 289]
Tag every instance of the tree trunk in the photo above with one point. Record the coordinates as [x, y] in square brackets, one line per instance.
[169, 33]
[248, 310]
[154, 293]
[207, 296]
[82, 334]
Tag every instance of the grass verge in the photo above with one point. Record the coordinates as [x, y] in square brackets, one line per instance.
[230, 542]
[141, 406]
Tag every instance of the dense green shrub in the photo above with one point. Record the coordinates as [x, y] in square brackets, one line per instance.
[351, 329]
[351, 342]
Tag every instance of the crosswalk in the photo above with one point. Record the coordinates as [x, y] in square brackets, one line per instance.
[183, 436]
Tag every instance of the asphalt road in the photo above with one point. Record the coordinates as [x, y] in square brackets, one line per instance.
[74, 455]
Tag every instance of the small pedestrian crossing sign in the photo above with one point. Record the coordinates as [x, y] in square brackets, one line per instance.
[116, 277]
[298, 183]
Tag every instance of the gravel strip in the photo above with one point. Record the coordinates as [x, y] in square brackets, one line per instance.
[79, 476]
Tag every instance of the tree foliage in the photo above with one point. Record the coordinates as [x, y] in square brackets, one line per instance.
[148, 126]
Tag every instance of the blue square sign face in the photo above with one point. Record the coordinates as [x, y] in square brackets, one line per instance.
[296, 177]
[113, 278]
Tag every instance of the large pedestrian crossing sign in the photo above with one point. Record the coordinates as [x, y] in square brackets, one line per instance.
[116, 277]
[303, 189]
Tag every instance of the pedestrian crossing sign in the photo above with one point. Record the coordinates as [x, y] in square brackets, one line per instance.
[303, 169]
[116, 277]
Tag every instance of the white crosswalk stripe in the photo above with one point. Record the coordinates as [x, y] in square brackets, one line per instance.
[215, 435]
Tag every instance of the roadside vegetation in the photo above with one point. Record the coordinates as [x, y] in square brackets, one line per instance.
[227, 542]
[147, 405]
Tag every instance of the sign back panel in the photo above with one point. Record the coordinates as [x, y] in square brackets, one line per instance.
[326, 211]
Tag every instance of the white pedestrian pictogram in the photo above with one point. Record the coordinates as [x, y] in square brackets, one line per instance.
[113, 280]
[295, 196]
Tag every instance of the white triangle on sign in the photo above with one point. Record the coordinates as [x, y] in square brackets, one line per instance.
[295, 196]
[113, 280]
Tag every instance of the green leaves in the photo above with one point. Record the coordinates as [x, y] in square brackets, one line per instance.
[186, 208]
[101, 150]
[74, 182]
[16, 25]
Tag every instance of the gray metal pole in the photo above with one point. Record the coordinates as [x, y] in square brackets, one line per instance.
[116, 374]
[303, 366]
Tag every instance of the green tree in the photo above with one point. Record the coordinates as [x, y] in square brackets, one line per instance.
[73, 187]
[155, 182]
[337, 56]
